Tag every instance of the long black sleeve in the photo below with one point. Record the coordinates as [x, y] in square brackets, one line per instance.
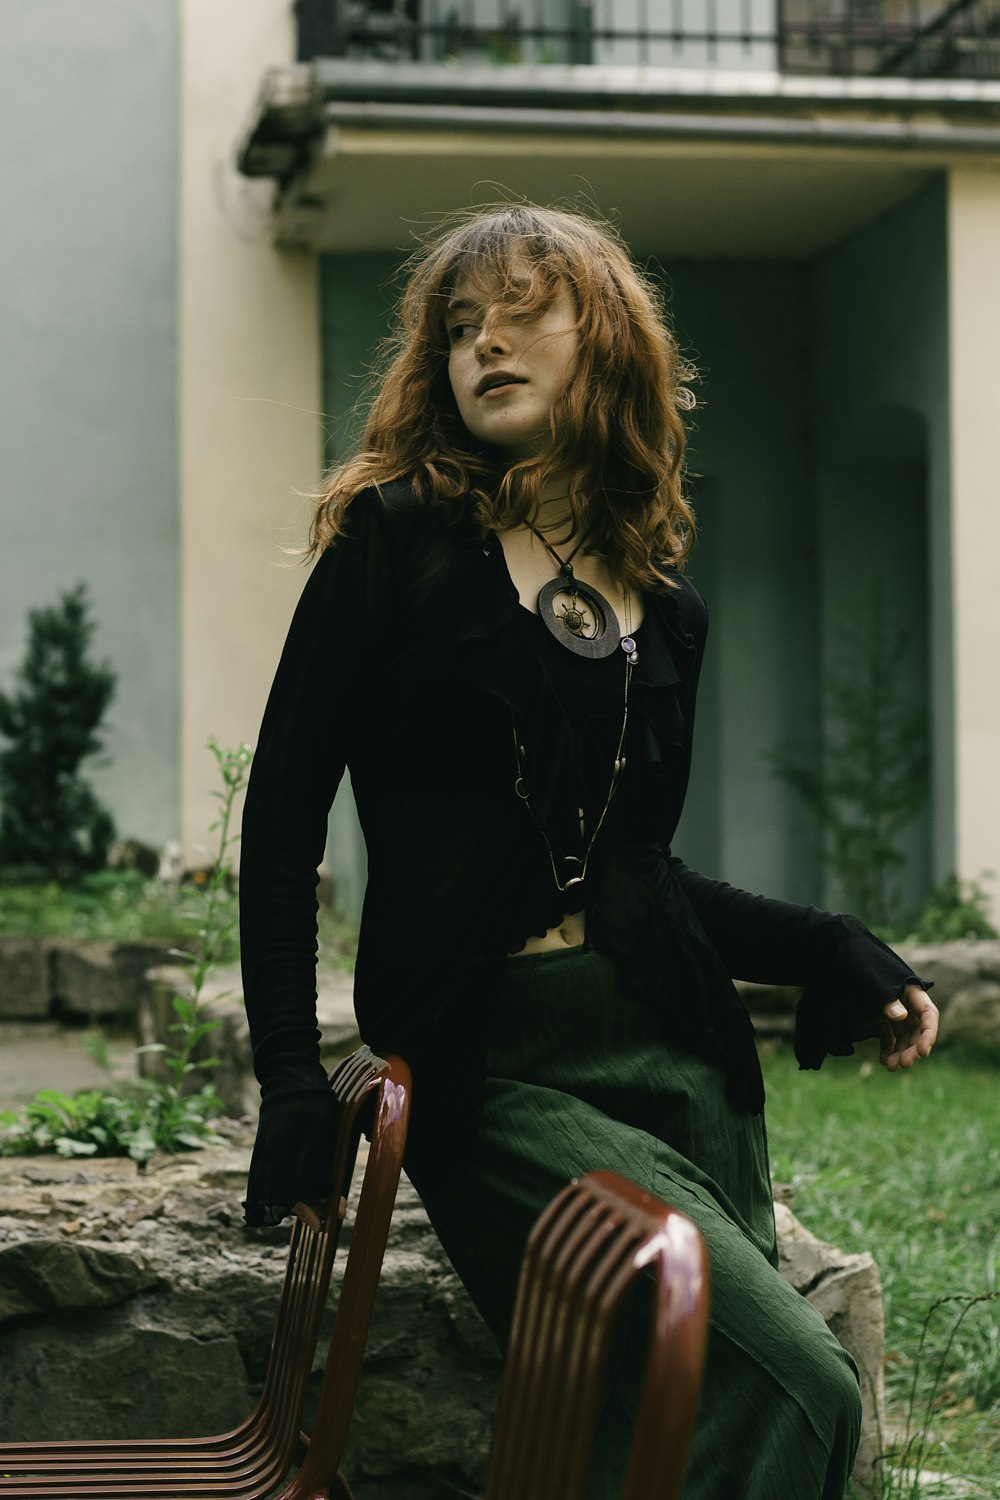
[846, 972]
[300, 758]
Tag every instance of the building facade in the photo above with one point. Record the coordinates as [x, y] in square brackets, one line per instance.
[817, 186]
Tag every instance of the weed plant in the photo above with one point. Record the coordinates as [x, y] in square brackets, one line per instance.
[139, 1119]
[908, 1168]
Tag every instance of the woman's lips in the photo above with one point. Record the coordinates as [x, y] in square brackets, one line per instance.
[503, 390]
[500, 382]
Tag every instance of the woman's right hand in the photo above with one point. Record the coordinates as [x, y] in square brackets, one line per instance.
[312, 1215]
[908, 1029]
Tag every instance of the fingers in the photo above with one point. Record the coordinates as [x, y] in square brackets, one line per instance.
[311, 1215]
[909, 1029]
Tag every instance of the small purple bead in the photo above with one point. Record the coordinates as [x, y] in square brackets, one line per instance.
[628, 644]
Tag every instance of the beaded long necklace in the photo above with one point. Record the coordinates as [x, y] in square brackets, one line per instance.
[588, 628]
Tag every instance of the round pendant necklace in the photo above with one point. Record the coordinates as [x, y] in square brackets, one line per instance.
[570, 870]
[576, 613]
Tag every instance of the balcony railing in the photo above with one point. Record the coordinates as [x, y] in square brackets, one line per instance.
[864, 38]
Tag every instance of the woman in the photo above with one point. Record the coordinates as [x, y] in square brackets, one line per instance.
[499, 641]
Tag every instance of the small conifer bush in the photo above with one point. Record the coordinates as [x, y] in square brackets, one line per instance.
[51, 824]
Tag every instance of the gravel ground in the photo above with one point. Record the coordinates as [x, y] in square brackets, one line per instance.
[42, 1055]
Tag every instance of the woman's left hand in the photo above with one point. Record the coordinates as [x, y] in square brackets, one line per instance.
[908, 1029]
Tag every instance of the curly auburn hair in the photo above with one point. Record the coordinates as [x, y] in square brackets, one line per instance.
[617, 434]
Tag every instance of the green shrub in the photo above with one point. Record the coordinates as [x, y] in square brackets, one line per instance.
[955, 911]
[50, 820]
[868, 779]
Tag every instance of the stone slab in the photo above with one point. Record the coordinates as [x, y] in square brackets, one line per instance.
[95, 981]
[25, 978]
[972, 1021]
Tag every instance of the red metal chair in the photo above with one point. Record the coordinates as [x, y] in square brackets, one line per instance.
[584, 1253]
[254, 1459]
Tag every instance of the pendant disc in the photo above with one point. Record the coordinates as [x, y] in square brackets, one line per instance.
[579, 617]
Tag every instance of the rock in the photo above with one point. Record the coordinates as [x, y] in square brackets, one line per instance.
[174, 1304]
[972, 1021]
[94, 980]
[25, 978]
[953, 966]
[847, 1291]
[114, 1378]
[43, 1276]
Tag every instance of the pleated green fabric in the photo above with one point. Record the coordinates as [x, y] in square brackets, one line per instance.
[579, 1077]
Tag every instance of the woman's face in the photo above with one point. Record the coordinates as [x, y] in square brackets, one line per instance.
[506, 374]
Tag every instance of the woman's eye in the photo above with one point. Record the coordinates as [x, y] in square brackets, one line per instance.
[458, 331]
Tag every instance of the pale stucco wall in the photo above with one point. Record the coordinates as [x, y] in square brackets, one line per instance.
[251, 424]
[973, 213]
[88, 481]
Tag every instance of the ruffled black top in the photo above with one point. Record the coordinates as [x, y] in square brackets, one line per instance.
[409, 660]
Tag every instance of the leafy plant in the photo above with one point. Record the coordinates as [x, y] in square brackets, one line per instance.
[139, 1119]
[51, 822]
[868, 780]
[954, 911]
[215, 936]
[133, 1120]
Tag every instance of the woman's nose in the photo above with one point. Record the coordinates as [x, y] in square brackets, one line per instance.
[491, 340]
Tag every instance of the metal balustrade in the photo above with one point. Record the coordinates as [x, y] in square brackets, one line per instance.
[865, 38]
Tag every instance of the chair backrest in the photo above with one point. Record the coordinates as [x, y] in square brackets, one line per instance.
[586, 1250]
[248, 1462]
[363, 1082]
[385, 1083]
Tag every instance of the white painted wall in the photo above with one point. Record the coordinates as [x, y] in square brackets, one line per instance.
[974, 306]
[88, 420]
[249, 381]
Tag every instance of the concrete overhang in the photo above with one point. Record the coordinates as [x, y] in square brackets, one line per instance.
[708, 166]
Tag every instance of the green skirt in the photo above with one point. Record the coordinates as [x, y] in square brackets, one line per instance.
[581, 1076]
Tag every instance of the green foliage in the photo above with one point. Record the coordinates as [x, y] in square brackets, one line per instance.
[908, 1167]
[50, 820]
[140, 1119]
[215, 935]
[868, 780]
[117, 906]
[955, 911]
[134, 1121]
[338, 939]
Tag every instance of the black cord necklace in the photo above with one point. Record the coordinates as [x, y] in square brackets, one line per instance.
[576, 613]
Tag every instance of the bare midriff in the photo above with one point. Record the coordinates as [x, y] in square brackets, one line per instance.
[570, 933]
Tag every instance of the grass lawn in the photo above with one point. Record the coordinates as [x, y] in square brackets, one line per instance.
[908, 1167]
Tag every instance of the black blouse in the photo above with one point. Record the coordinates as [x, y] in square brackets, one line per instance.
[409, 659]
